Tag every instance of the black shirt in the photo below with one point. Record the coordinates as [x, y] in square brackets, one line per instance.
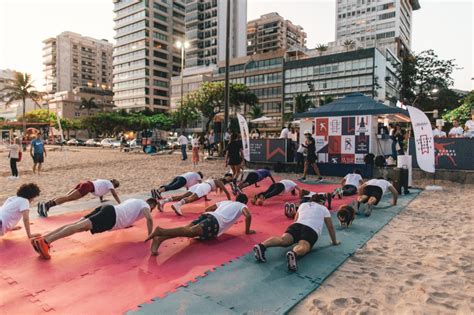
[234, 149]
[311, 147]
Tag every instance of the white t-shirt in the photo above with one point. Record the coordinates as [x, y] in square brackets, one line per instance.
[226, 214]
[11, 212]
[458, 131]
[289, 185]
[101, 187]
[353, 179]
[438, 133]
[470, 125]
[128, 212]
[192, 178]
[182, 140]
[312, 215]
[382, 183]
[211, 138]
[195, 143]
[284, 133]
[293, 136]
[227, 136]
[14, 151]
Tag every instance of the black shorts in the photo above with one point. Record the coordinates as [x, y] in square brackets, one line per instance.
[302, 232]
[103, 219]
[38, 158]
[311, 159]
[233, 161]
[252, 178]
[349, 190]
[209, 224]
[373, 191]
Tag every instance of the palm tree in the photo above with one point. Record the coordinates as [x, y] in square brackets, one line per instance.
[321, 48]
[21, 89]
[302, 103]
[349, 44]
[255, 112]
[88, 104]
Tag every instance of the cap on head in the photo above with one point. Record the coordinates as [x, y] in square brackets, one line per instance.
[307, 132]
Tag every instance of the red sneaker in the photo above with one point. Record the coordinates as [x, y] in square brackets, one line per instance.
[43, 247]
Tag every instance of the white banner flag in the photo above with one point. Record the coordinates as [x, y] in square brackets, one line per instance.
[424, 143]
[244, 131]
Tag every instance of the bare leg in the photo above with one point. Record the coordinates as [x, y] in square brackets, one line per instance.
[284, 241]
[34, 168]
[363, 199]
[242, 185]
[316, 169]
[302, 248]
[156, 244]
[305, 172]
[372, 201]
[73, 195]
[81, 226]
[39, 168]
[184, 231]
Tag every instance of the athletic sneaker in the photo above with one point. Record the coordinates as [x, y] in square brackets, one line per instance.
[259, 251]
[42, 247]
[293, 209]
[355, 204]
[302, 179]
[291, 261]
[235, 189]
[35, 247]
[42, 210]
[368, 210]
[154, 194]
[177, 209]
[320, 179]
[287, 208]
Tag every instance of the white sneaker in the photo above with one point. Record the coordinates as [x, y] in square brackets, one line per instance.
[177, 209]
[11, 177]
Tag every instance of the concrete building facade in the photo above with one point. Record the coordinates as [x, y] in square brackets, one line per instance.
[71, 60]
[206, 31]
[14, 110]
[382, 23]
[145, 56]
[271, 32]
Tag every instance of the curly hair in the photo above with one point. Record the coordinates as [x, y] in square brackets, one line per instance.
[28, 191]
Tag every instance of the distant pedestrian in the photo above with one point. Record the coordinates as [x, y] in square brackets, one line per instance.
[227, 139]
[195, 145]
[15, 156]
[211, 142]
[183, 142]
[234, 155]
[310, 146]
[398, 135]
[37, 152]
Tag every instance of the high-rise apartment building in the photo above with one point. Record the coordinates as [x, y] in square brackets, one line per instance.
[206, 31]
[145, 55]
[377, 23]
[71, 60]
[14, 109]
[271, 32]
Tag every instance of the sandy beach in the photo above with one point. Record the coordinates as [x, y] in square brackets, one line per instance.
[420, 263]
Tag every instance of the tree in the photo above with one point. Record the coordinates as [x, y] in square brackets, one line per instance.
[422, 73]
[349, 44]
[302, 103]
[20, 90]
[463, 112]
[327, 100]
[321, 48]
[88, 104]
[40, 116]
[255, 112]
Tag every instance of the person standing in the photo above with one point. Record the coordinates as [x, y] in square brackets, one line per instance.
[37, 152]
[398, 135]
[14, 155]
[456, 131]
[212, 141]
[183, 142]
[195, 145]
[234, 156]
[310, 146]
[285, 131]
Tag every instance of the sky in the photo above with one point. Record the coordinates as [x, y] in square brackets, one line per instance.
[446, 26]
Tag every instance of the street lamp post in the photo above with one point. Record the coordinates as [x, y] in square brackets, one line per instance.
[227, 66]
[182, 45]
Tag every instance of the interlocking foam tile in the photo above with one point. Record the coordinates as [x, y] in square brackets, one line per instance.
[113, 272]
[245, 286]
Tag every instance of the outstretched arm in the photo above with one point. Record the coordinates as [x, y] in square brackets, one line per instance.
[211, 208]
[149, 220]
[26, 223]
[116, 197]
[271, 177]
[394, 194]
[332, 232]
[221, 185]
[248, 221]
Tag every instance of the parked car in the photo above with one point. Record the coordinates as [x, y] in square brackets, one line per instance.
[76, 142]
[110, 143]
[93, 143]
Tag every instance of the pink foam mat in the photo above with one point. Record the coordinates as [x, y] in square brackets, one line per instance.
[113, 272]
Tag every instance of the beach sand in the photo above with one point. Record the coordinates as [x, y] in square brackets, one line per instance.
[419, 263]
